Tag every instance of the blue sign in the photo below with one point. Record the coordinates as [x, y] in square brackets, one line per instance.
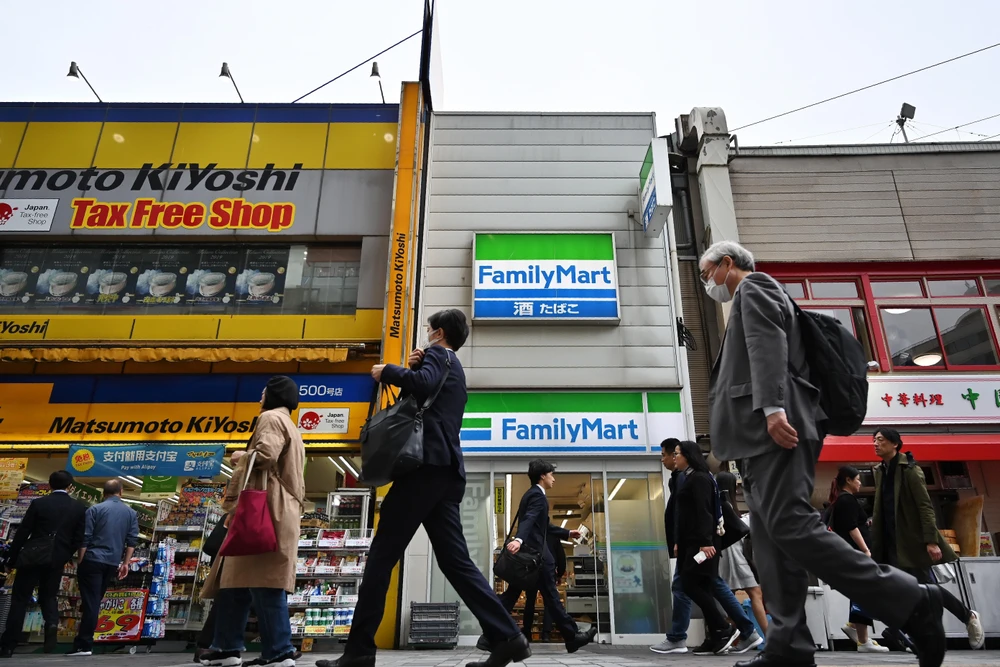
[146, 459]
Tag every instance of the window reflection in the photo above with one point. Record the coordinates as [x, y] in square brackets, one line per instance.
[912, 337]
[795, 290]
[895, 289]
[952, 288]
[833, 290]
[993, 286]
[854, 321]
[966, 336]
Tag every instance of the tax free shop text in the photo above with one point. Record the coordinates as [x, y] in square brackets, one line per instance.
[534, 274]
[563, 429]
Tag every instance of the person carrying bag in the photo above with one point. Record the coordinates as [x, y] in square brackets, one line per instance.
[520, 569]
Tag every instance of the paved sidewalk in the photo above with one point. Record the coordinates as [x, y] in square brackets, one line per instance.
[544, 656]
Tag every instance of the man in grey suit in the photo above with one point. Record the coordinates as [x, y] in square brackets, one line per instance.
[766, 416]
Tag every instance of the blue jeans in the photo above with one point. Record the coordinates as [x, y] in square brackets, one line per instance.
[232, 608]
[681, 616]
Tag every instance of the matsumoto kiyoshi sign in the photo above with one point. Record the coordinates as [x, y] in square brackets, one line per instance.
[545, 277]
[570, 422]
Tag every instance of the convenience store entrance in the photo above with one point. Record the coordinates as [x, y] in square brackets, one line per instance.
[616, 504]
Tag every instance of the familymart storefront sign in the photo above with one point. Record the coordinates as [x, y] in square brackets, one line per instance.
[570, 422]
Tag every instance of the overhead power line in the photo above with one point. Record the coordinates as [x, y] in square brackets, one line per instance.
[988, 138]
[360, 64]
[868, 87]
[934, 134]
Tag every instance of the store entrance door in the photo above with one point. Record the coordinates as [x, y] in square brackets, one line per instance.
[617, 505]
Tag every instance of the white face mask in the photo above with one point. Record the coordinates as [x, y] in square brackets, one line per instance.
[718, 292]
[427, 341]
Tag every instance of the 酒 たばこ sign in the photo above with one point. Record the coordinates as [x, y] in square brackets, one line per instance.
[545, 277]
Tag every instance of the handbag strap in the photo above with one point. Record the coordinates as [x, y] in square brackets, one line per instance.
[246, 479]
[444, 377]
[512, 524]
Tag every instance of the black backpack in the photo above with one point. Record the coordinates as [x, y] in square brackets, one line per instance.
[838, 367]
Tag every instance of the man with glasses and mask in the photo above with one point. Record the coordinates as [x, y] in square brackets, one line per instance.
[766, 415]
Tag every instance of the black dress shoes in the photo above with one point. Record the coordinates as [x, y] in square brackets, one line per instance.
[765, 660]
[925, 628]
[483, 644]
[348, 661]
[515, 649]
[580, 640]
[6, 653]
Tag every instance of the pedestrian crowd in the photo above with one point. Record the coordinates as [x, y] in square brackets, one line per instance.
[783, 380]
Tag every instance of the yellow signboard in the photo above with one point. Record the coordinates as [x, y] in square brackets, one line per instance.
[11, 476]
[498, 500]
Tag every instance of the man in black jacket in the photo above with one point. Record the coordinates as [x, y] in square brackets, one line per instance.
[55, 519]
[533, 528]
[554, 539]
[430, 496]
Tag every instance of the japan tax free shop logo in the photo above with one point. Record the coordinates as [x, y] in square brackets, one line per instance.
[545, 277]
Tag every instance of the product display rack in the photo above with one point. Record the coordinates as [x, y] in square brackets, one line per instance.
[330, 564]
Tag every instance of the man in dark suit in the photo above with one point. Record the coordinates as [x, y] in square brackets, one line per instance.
[430, 496]
[533, 528]
[766, 415]
[555, 537]
[57, 519]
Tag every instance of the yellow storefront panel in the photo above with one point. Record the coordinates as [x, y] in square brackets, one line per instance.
[64, 145]
[261, 328]
[225, 144]
[363, 325]
[131, 145]
[361, 146]
[90, 327]
[10, 140]
[188, 327]
[286, 144]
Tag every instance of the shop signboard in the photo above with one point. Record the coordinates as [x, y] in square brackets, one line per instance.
[18, 216]
[545, 278]
[158, 486]
[138, 409]
[655, 204]
[159, 460]
[933, 399]
[121, 615]
[11, 476]
[528, 423]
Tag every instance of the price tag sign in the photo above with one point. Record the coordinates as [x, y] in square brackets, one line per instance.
[352, 569]
[320, 599]
[331, 544]
[341, 629]
[326, 569]
[121, 615]
[317, 630]
[296, 599]
[307, 543]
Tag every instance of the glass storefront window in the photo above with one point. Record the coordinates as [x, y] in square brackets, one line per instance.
[640, 564]
[966, 336]
[953, 288]
[833, 290]
[993, 286]
[896, 289]
[912, 337]
[796, 290]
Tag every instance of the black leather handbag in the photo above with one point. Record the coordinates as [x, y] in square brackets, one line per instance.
[520, 569]
[734, 527]
[36, 552]
[392, 440]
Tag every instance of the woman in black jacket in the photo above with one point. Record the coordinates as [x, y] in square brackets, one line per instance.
[698, 544]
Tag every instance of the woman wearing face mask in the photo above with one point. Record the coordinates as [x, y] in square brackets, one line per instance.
[848, 519]
[697, 554]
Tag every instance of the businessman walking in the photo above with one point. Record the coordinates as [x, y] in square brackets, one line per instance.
[533, 528]
[766, 415]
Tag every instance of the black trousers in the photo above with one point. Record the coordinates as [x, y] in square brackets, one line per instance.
[699, 585]
[207, 634]
[529, 615]
[550, 597]
[47, 579]
[93, 579]
[430, 496]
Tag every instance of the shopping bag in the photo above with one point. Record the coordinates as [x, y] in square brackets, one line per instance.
[392, 440]
[251, 529]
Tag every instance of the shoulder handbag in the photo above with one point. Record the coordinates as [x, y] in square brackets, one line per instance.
[251, 529]
[520, 569]
[36, 552]
[734, 528]
[392, 440]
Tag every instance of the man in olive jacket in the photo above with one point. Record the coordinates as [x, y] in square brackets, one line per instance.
[904, 527]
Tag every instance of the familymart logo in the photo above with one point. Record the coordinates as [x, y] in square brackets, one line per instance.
[591, 422]
[545, 276]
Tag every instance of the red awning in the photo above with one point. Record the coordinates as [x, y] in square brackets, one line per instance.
[939, 447]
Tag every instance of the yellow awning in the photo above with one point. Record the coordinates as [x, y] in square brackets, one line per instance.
[209, 354]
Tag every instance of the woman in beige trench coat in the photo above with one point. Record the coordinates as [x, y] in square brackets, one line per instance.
[278, 459]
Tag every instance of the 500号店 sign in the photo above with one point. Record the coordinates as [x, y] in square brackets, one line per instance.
[148, 213]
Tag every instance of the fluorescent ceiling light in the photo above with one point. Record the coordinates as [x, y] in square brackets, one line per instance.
[139, 502]
[349, 467]
[897, 311]
[929, 359]
[125, 479]
[569, 512]
[617, 488]
[565, 521]
[342, 471]
[226, 468]
[569, 544]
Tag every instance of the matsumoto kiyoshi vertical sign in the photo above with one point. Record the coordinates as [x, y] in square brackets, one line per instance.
[570, 422]
[545, 277]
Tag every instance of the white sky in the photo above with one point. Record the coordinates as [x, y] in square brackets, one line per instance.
[753, 59]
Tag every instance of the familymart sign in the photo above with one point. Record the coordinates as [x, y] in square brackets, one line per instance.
[545, 277]
[570, 422]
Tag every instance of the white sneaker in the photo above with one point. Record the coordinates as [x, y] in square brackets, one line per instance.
[667, 646]
[79, 653]
[872, 647]
[851, 633]
[975, 627]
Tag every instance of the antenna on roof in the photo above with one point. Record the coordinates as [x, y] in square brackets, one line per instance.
[906, 113]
